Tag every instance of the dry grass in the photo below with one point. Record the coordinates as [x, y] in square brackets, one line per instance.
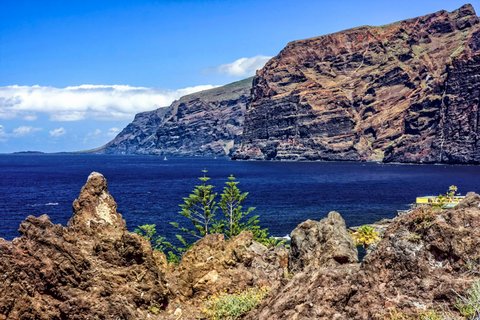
[230, 306]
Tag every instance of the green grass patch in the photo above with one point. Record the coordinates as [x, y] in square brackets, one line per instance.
[230, 306]
[469, 305]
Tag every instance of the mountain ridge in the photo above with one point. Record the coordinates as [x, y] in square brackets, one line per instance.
[404, 92]
[205, 123]
[401, 92]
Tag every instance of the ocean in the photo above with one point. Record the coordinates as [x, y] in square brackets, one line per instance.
[149, 189]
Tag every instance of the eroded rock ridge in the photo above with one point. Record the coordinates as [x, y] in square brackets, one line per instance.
[404, 92]
[207, 123]
[92, 269]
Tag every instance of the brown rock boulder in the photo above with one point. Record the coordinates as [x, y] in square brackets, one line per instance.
[92, 269]
[471, 200]
[95, 210]
[317, 294]
[425, 259]
[215, 265]
[321, 244]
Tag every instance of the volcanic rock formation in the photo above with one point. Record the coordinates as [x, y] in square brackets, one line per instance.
[92, 269]
[404, 92]
[424, 261]
[321, 243]
[214, 265]
[207, 123]
[95, 269]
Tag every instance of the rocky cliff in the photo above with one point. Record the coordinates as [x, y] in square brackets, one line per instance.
[404, 92]
[424, 263]
[95, 269]
[92, 269]
[207, 123]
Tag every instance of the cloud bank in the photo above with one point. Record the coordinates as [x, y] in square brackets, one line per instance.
[243, 67]
[24, 131]
[58, 132]
[3, 134]
[18, 132]
[99, 102]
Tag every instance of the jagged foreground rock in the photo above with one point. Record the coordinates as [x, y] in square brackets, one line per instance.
[95, 269]
[214, 265]
[425, 259]
[92, 269]
[404, 92]
[207, 123]
[322, 243]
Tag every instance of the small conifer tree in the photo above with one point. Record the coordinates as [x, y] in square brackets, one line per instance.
[231, 201]
[199, 207]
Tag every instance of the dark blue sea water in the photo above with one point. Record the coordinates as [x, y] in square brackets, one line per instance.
[149, 189]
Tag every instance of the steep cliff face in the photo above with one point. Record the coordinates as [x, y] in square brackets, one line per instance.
[206, 123]
[405, 92]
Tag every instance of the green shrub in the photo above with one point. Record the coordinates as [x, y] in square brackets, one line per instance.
[365, 236]
[431, 315]
[424, 315]
[469, 305]
[227, 306]
[149, 232]
[423, 218]
[447, 197]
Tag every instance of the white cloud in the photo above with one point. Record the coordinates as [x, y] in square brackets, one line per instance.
[100, 102]
[244, 67]
[57, 132]
[24, 130]
[21, 131]
[3, 134]
[112, 132]
[30, 117]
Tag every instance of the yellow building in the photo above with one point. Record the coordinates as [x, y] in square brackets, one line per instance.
[444, 202]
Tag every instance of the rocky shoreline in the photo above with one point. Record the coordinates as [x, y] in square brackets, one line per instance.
[95, 269]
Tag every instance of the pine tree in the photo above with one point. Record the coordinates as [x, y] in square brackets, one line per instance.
[199, 207]
[231, 201]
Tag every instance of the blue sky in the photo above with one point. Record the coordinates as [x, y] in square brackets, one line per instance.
[73, 73]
